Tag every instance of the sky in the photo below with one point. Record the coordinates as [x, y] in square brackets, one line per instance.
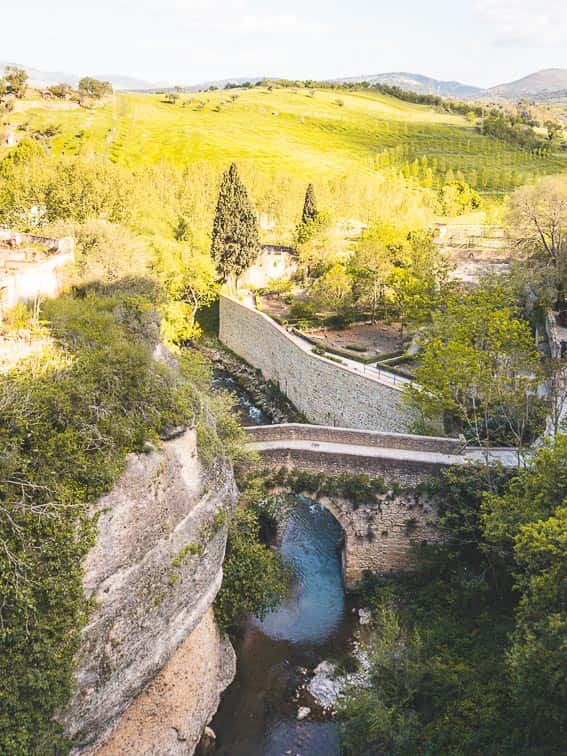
[480, 42]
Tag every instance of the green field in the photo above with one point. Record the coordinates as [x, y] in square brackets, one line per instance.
[298, 133]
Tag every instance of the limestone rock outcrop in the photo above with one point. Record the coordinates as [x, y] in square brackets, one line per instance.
[152, 577]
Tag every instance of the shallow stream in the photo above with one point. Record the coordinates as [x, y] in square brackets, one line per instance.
[258, 712]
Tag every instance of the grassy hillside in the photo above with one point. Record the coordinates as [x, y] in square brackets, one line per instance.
[298, 133]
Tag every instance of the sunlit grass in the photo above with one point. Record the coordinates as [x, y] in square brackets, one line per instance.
[296, 132]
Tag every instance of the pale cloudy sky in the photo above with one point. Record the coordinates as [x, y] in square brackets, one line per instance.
[481, 42]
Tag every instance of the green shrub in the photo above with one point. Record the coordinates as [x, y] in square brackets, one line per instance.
[255, 577]
[301, 309]
[67, 422]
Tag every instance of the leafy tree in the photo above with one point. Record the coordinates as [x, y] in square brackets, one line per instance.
[235, 237]
[457, 198]
[410, 296]
[15, 81]
[371, 268]
[384, 719]
[334, 288]
[255, 577]
[554, 129]
[526, 526]
[537, 218]
[106, 252]
[190, 281]
[90, 87]
[480, 367]
[61, 91]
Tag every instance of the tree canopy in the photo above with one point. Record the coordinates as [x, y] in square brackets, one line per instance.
[537, 217]
[15, 81]
[94, 88]
[481, 369]
[235, 238]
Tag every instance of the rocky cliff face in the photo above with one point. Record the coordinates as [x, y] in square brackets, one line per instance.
[167, 718]
[153, 575]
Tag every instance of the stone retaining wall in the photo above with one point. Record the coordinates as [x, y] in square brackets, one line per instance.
[325, 392]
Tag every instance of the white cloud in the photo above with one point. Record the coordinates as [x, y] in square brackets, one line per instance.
[280, 22]
[524, 23]
[192, 5]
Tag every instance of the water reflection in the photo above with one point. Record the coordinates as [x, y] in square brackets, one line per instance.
[315, 607]
[257, 716]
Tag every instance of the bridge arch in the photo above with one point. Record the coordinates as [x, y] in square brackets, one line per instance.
[378, 536]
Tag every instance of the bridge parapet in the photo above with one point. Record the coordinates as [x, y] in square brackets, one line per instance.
[354, 437]
[379, 536]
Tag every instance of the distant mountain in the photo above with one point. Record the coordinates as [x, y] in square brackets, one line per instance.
[549, 84]
[543, 84]
[417, 83]
[125, 83]
[40, 79]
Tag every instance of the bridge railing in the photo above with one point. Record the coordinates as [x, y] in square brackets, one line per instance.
[353, 437]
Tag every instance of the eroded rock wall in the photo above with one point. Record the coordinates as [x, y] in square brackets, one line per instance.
[152, 575]
[167, 718]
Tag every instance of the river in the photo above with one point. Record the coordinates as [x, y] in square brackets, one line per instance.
[258, 712]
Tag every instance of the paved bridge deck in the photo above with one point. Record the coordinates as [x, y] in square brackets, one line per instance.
[366, 445]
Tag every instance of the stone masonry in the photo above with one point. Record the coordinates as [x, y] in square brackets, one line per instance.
[326, 392]
[379, 536]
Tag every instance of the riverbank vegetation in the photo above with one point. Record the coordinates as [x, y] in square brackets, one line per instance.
[256, 578]
[469, 654]
[68, 419]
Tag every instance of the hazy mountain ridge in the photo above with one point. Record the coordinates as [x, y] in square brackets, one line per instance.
[547, 84]
[539, 84]
[417, 83]
[40, 79]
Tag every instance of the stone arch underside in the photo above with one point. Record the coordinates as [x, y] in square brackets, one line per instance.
[378, 538]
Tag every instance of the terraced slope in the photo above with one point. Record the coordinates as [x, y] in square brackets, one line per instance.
[295, 132]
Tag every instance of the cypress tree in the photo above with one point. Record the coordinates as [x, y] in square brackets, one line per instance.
[309, 206]
[235, 238]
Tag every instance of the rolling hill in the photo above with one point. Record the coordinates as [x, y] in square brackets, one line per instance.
[417, 83]
[292, 132]
[540, 84]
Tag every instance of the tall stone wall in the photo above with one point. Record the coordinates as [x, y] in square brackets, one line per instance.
[325, 392]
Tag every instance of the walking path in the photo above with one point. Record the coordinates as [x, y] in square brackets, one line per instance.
[370, 371]
[506, 457]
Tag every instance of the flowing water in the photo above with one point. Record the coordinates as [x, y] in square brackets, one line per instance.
[258, 713]
[258, 716]
[248, 414]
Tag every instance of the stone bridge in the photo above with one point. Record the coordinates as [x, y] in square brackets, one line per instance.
[379, 536]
